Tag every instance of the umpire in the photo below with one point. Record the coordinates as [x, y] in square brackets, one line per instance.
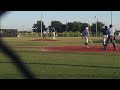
[111, 37]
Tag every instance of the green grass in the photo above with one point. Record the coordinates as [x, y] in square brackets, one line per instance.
[26, 41]
[60, 65]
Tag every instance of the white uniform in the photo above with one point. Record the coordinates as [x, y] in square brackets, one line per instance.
[54, 35]
[86, 35]
[44, 34]
[111, 32]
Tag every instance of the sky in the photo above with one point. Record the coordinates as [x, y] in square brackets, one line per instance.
[24, 20]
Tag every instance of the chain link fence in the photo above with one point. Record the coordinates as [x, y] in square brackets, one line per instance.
[15, 59]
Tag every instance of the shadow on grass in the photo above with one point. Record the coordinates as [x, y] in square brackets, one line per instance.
[52, 64]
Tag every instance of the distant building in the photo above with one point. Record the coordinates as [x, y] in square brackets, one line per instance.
[8, 32]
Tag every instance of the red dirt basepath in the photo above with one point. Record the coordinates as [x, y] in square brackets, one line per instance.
[81, 49]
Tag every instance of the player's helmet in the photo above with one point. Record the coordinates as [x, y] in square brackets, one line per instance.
[111, 26]
[106, 27]
[86, 28]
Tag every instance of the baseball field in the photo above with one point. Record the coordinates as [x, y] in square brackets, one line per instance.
[62, 58]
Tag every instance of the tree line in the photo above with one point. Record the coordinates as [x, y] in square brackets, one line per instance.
[68, 27]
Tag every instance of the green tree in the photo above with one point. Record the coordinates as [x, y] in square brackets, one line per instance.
[34, 28]
[69, 26]
[63, 28]
[74, 26]
[83, 26]
[99, 28]
[93, 29]
[57, 25]
[37, 27]
[77, 26]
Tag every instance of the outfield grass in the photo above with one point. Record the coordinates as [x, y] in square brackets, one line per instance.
[26, 41]
[60, 65]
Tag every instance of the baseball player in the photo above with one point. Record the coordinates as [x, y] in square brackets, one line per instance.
[105, 36]
[54, 34]
[44, 34]
[86, 36]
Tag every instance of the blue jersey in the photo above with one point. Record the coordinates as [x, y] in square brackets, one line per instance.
[86, 33]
